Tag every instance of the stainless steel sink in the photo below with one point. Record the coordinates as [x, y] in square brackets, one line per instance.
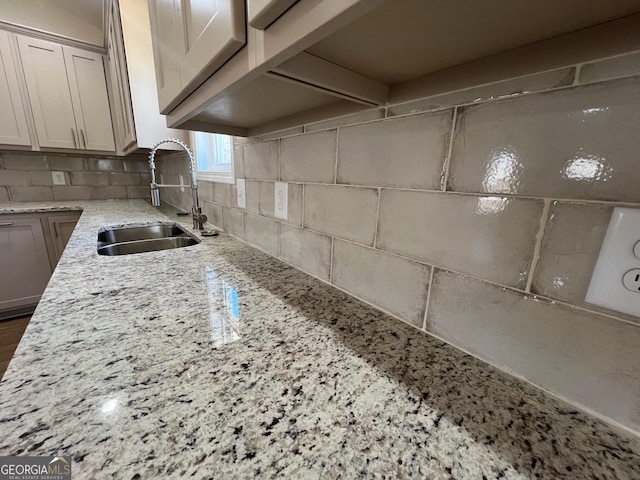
[139, 238]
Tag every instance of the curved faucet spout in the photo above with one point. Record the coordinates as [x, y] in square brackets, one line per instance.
[196, 212]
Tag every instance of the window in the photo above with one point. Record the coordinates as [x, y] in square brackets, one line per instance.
[214, 156]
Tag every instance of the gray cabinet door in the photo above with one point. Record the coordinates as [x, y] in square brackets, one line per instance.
[61, 227]
[24, 264]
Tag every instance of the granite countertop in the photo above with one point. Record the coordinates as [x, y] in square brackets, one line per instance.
[219, 361]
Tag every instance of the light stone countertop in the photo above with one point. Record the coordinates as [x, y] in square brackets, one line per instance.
[220, 361]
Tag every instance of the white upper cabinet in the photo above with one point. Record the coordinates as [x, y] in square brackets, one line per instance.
[133, 80]
[213, 32]
[123, 120]
[13, 121]
[68, 96]
[49, 95]
[167, 49]
[310, 60]
[90, 99]
[193, 39]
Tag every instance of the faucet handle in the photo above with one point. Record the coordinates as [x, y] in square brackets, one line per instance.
[199, 218]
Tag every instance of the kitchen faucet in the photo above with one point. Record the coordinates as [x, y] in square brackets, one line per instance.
[196, 212]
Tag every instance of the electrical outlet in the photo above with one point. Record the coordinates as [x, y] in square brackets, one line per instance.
[181, 183]
[58, 178]
[241, 193]
[615, 282]
[631, 280]
[281, 206]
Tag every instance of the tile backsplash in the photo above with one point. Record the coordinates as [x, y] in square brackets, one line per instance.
[476, 216]
[27, 177]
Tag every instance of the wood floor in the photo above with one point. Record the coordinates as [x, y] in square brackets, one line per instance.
[10, 334]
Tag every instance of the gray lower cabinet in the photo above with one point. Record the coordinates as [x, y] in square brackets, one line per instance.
[25, 266]
[30, 246]
[60, 227]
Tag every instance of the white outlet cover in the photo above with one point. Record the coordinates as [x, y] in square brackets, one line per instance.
[615, 260]
[58, 178]
[241, 193]
[281, 206]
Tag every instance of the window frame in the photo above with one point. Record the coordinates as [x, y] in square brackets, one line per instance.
[221, 176]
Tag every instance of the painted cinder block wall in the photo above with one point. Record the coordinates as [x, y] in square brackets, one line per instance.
[476, 216]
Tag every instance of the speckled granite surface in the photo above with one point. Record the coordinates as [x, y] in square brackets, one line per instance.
[219, 361]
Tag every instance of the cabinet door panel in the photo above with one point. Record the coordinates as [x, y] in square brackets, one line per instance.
[13, 121]
[214, 32]
[25, 265]
[150, 126]
[62, 227]
[88, 87]
[168, 47]
[49, 95]
[119, 126]
[125, 125]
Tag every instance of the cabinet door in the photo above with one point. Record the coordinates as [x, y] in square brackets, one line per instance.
[90, 100]
[125, 125]
[13, 121]
[168, 47]
[49, 95]
[213, 33]
[61, 227]
[25, 265]
[138, 46]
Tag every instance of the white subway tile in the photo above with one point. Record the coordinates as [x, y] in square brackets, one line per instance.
[401, 152]
[267, 202]
[580, 143]
[366, 116]
[488, 237]
[261, 160]
[514, 86]
[308, 158]
[617, 67]
[572, 239]
[233, 222]
[263, 233]
[345, 212]
[392, 283]
[306, 250]
[588, 358]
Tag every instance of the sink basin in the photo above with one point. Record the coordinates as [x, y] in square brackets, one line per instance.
[128, 239]
[134, 233]
[141, 246]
